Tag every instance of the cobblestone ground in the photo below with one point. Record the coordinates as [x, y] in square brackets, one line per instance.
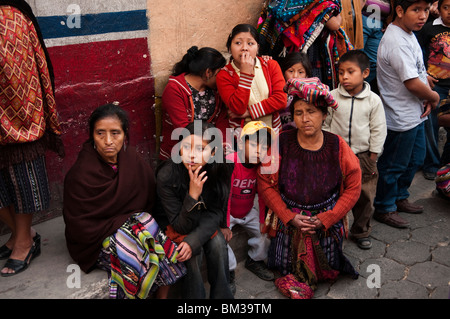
[409, 263]
[413, 263]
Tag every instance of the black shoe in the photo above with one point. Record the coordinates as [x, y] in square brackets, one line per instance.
[259, 268]
[429, 175]
[20, 265]
[5, 252]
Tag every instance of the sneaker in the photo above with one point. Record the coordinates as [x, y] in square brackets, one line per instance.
[259, 268]
[391, 219]
[405, 206]
[232, 283]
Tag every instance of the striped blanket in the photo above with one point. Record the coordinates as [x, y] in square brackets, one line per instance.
[294, 26]
[140, 252]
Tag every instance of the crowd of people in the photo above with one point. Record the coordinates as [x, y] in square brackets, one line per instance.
[324, 108]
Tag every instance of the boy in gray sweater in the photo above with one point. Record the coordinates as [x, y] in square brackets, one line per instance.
[361, 121]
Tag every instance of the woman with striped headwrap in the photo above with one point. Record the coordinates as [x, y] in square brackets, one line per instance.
[318, 181]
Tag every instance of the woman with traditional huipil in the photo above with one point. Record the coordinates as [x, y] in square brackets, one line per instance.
[317, 183]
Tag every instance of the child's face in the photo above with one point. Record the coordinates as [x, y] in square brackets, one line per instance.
[351, 77]
[254, 151]
[195, 152]
[444, 11]
[243, 43]
[414, 18]
[296, 71]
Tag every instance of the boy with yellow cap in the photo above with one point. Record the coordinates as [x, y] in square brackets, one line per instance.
[254, 142]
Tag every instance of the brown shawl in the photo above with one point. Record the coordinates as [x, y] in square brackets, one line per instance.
[97, 200]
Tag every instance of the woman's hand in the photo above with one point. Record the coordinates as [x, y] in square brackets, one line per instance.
[184, 251]
[233, 115]
[247, 63]
[316, 222]
[306, 224]
[196, 182]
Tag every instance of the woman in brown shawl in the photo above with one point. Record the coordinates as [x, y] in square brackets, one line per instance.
[108, 196]
[28, 127]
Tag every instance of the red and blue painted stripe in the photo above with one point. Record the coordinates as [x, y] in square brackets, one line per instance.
[101, 23]
[105, 59]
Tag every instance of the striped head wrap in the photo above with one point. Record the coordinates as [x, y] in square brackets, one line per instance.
[312, 91]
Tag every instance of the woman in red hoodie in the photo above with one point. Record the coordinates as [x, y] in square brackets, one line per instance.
[250, 86]
[191, 95]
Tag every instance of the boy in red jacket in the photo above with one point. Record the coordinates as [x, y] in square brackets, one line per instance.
[255, 140]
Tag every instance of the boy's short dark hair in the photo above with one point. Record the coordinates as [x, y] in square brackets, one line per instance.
[356, 56]
[405, 4]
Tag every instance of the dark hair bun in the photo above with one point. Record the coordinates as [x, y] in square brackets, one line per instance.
[192, 52]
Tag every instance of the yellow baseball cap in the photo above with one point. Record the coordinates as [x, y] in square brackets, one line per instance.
[254, 126]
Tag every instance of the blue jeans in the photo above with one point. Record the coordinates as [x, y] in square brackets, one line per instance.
[433, 158]
[372, 34]
[216, 253]
[403, 155]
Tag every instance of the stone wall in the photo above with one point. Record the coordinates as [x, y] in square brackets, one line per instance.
[115, 50]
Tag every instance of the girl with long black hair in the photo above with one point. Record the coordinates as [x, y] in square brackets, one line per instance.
[193, 191]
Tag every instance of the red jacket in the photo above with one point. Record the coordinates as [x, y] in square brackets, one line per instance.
[178, 111]
[235, 92]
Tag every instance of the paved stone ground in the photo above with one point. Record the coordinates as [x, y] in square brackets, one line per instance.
[414, 263]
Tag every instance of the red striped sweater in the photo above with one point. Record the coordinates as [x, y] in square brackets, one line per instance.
[235, 92]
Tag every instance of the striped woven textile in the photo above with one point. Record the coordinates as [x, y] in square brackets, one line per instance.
[443, 180]
[27, 103]
[312, 91]
[139, 250]
[25, 185]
